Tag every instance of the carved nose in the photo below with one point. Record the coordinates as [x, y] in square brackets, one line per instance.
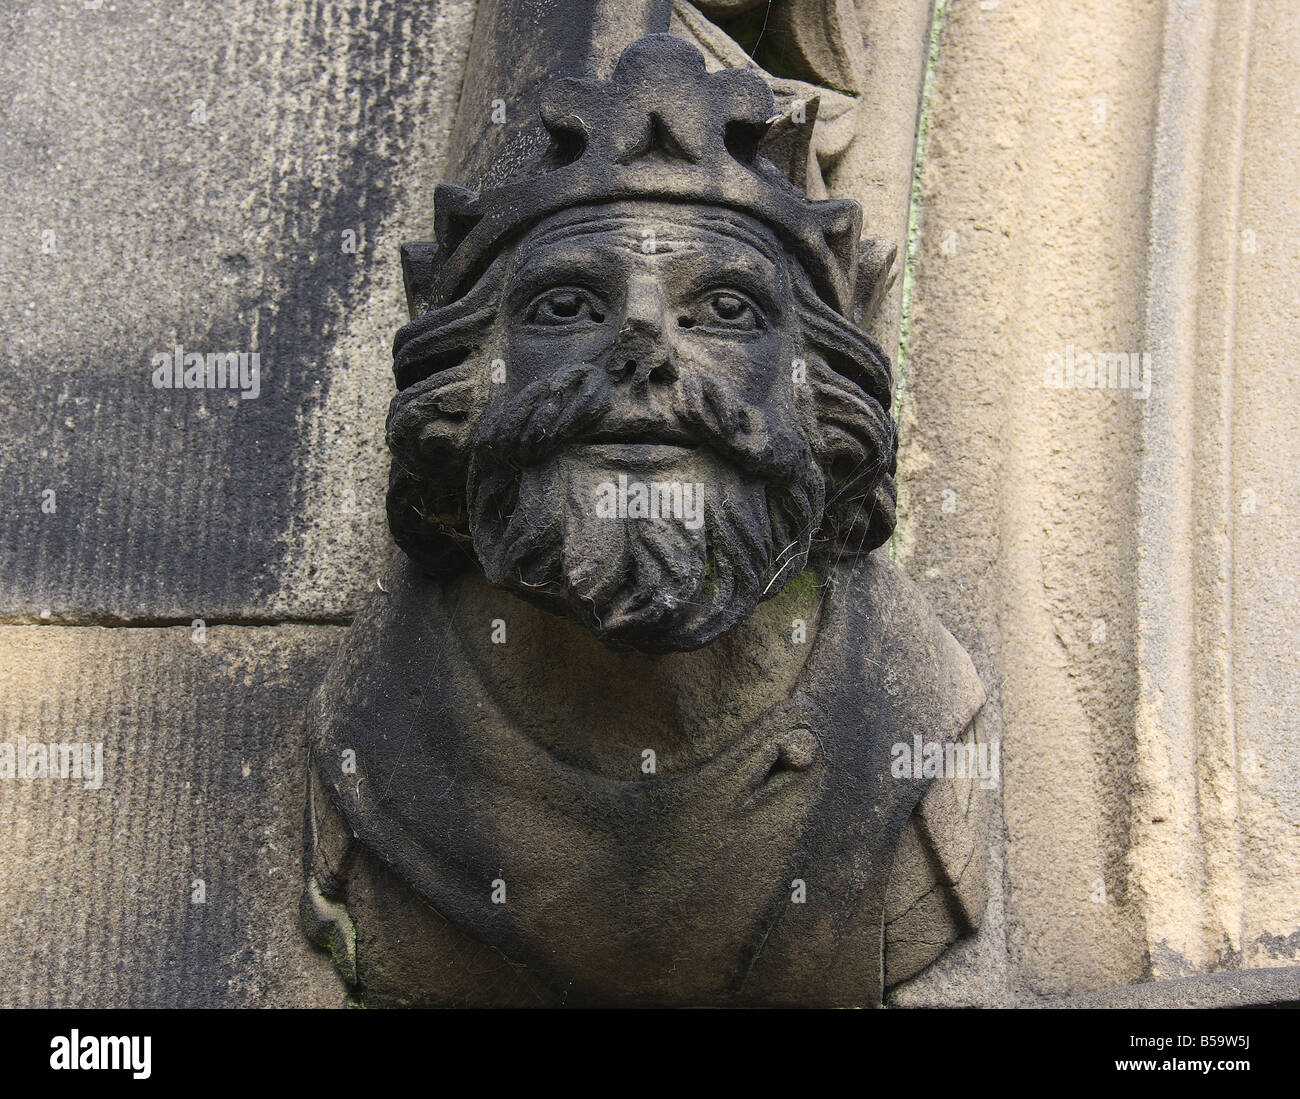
[642, 353]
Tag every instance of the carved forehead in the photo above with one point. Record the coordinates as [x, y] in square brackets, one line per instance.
[677, 228]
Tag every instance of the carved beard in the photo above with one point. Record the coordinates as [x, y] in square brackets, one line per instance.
[652, 584]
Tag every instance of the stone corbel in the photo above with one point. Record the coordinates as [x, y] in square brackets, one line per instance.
[643, 713]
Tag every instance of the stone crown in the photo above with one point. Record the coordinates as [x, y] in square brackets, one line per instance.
[662, 127]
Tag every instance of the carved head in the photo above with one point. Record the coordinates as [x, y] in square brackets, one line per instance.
[632, 391]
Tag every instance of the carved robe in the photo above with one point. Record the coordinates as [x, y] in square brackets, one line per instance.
[476, 868]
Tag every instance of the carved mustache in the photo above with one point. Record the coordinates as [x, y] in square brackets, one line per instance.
[579, 404]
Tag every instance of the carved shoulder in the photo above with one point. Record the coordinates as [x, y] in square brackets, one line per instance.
[936, 891]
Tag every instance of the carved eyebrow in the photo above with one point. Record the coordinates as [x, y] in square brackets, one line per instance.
[754, 275]
[580, 265]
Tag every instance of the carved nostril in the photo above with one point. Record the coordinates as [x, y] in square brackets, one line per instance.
[640, 372]
[624, 369]
[664, 372]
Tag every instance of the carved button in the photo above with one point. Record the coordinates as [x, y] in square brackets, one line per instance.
[798, 748]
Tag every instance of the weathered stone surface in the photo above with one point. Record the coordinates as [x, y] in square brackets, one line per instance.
[1104, 178]
[1017, 497]
[950, 837]
[203, 765]
[1216, 836]
[1276, 986]
[185, 175]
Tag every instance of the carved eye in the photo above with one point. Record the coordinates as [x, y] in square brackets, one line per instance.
[724, 309]
[566, 305]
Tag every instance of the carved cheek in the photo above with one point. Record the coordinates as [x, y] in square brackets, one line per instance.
[533, 352]
[756, 368]
[771, 382]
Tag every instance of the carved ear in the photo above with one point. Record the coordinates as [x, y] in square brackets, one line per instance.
[876, 273]
[440, 337]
